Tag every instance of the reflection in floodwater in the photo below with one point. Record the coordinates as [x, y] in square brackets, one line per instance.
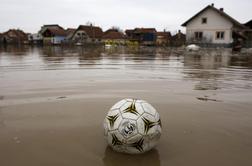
[112, 158]
[216, 70]
[210, 69]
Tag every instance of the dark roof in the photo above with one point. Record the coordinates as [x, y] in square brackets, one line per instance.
[56, 32]
[91, 31]
[129, 30]
[52, 26]
[16, 33]
[110, 30]
[145, 30]
[221, 12]
[249, 24]
[179, 35]
[113, 34]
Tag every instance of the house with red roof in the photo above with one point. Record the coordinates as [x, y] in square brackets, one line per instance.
[163, 38]
[54, 36]
[113, 36]
[87, 34]
[14, 36]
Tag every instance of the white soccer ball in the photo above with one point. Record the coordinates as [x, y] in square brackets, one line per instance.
[132, 126]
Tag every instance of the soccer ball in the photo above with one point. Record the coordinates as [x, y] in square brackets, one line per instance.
[132, 126]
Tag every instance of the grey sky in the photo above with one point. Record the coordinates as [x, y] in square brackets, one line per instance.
[30, 15]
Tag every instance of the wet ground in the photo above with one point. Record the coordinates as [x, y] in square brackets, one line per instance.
[53, 101]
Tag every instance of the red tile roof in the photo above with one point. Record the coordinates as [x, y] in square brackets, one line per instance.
[16, 33]
[164, 34]
[91, 31]
[56, 31]
[145, 30]
[113, 34]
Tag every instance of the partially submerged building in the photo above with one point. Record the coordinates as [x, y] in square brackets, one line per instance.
[52, 36]
[35, 39]
[163, 38]
[179, 39]
[144, 36]
[114, 36]
[14, 36]
[87, 34]
[212, 26]
[248, 34]
[69, 34]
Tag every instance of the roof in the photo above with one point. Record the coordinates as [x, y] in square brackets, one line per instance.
[91, 31]
[56, 32]
[113, 34]
[164, 34]
[221, 12]
[179, 35]
[249, 24]
[70, 31]
[129, 30]
[145, 30]
[16, 33]
[51, 26]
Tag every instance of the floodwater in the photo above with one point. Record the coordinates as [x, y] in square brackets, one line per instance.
[53, 101]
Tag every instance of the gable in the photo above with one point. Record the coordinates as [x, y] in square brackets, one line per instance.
[219, 13]
[214, 21]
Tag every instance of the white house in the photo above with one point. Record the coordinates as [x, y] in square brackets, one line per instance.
[212, 26]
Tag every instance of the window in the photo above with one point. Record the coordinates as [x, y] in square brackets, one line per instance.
[220, 35]
[204, 20]
[198, 35]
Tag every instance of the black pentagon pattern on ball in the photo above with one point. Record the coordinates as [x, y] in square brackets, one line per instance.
[112, 120]
[159, 123]
[138, 145]
[147, 124]
[131, 108]
[115, 140]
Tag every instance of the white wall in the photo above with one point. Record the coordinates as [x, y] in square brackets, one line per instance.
[215, 22]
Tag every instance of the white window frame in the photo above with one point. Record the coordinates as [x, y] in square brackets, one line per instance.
[220, 35]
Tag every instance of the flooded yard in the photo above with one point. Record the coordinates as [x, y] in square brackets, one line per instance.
[53, 101]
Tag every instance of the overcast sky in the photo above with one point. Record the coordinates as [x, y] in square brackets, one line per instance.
[29, 15]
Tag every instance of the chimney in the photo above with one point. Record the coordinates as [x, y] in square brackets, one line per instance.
[221, 9]
[212, 4]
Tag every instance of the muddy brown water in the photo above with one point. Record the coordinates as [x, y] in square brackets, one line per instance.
[53, 101]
